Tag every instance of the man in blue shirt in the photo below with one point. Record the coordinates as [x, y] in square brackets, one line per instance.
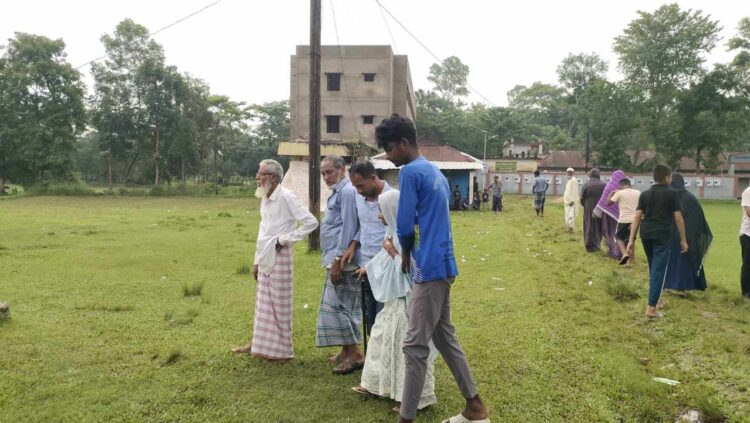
[340, 310]
[371, 231]
[425, 195]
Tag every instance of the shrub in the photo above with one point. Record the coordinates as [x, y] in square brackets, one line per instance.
[192, 290]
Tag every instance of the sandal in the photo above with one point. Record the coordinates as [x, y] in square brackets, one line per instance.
[346, 370]
[624, 259]
[361, 390]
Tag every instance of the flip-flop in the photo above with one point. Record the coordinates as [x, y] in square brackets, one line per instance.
[459, 418]
[624, 259]
[361, 390]
[346, 370]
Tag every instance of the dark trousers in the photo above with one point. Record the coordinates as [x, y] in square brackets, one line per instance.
[745, 273]
[370, 306]
[657, 253]
[497, 203]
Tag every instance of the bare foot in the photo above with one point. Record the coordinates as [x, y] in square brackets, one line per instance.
[243, 350]
[335, 358]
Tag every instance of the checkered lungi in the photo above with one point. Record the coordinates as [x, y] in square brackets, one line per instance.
[272, 330]
[340, 314]
[539, 198]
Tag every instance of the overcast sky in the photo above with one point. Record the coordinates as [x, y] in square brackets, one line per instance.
[242, 47]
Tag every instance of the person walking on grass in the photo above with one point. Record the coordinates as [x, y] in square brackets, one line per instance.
[383, 374]
[626, 198]
[658, 210]
[539, 189]
[745, 245]
[592, 225]
[496, 187]
[340, 312]
[571, 199]
[283, 221]
[423, 202]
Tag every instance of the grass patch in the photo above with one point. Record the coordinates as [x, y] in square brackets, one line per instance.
[107, 308]
[173, 357]
[243, 270]
[192, 290]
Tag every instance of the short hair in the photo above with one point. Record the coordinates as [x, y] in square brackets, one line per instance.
[661, 173]
[363, 168]
[395, 128]
[595, 173]
[274, 167]
[337, 161]
[625, 181]
[536, 173]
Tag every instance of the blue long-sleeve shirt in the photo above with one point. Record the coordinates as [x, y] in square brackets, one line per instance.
[340, 224]
[423, 202]
[371, 229]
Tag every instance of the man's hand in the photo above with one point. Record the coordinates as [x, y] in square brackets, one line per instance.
[336, 272]
[349, 253]
[629, 249]
[683, 246]
[361, 273]
[406, 262]
[278, 246]
[255, 272]
[390, 248]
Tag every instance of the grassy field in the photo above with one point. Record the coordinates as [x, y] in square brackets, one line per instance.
[125, 309]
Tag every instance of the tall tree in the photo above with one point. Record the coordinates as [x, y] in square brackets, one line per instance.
[450, 78]
[578, 71]
[41, 110]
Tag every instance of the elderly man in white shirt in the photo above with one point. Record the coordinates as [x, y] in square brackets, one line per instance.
[283, 221]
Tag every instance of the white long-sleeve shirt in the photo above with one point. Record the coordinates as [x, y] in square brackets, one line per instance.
[280, 215]
[571, 192]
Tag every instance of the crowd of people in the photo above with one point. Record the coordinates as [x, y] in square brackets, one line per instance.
[390, 263]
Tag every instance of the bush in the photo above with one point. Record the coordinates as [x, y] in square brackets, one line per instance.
[77, 189]
[193, 290]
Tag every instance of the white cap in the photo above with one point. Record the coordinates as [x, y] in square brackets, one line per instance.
[570, 169]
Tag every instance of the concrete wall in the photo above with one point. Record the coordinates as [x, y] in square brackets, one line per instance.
[703, 186]
[388, 93]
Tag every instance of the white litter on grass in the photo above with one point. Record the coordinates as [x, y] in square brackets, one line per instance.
[463, 259]
[589, 283]
[497, 279]
[499, 289]
[482, 258]
[163, 278]
[304, 306]
[474, 246]
[669, 382]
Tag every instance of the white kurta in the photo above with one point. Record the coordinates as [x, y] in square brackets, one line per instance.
[571, 196]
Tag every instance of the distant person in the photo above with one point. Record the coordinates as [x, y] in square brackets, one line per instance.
[685, 271]
[592, 225]
[571, 199]
[539, 189]
[383, 374]
[658, 210]
[457, 200]
[283, 221]
[476, 204]
[626, 199]
[340, 312]
[745, 244]
[423, 203]
[485, 199]
[610, 214]
[496, 188]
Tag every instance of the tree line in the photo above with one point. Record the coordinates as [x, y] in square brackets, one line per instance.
[668, 99]
[145, 122]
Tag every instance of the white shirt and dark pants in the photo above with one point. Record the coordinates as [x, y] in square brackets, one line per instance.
[745, 244]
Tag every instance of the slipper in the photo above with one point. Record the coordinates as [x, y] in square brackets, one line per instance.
[459, 418]
[346, 370]
[242, 350]
[658, 315]
[361, 390]
[624, 259]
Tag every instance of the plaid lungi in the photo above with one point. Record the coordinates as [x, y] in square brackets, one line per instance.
[272, 330]
[340, 312]
[539, 200]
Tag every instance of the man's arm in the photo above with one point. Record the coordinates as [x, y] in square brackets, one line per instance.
[681, 230]
[634, 231]
[407, 211]
[611, 198]
[307, 222]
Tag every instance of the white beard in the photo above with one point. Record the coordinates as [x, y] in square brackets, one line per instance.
[261, 191]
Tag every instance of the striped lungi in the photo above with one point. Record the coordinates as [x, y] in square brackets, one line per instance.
[539, 200]
[340, 312]
[272, 330]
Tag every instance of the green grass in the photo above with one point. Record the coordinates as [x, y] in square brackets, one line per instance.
[101, 329]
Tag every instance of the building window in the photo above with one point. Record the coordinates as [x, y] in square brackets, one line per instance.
[369, 77]
[334, 81]
[368, 119]
[332, 124]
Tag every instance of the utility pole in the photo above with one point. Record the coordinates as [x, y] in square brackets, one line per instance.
[314, 137]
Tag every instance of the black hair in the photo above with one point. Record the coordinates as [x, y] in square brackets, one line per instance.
[363, 168]
[661, 173]
[394, 129]
[536, 173]
[625, 181]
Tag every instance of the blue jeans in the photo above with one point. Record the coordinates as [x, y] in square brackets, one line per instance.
[497, 203]
[657, 253]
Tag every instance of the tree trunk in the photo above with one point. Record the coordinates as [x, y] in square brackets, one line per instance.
[130, 165]
[2, 185]
[109, 171]
[182, 172]
[156, 158]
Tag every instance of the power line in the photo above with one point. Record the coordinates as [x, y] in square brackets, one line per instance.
[388, 27]
[164, 28]
[427, 49]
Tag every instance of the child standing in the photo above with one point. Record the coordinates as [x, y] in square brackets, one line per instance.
[658, 208]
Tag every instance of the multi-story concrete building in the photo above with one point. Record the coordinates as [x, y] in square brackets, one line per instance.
[359, 87]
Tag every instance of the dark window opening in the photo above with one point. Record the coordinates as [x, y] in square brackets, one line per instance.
[369, 77]
[332, 124]
[368, 119]
[333, 81]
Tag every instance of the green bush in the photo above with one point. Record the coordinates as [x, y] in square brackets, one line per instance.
[77, 189]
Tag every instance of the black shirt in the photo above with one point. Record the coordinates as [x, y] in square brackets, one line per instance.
[658, 204]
